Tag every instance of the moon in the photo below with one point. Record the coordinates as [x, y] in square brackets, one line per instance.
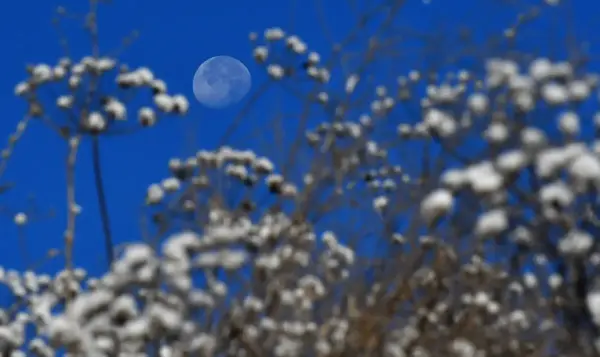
[221, 81]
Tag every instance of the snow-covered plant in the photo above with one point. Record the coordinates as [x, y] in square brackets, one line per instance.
[452, 213]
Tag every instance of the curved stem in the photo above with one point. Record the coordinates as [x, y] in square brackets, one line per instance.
[108, 242]
[71, 204]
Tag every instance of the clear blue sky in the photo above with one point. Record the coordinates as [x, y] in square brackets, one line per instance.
[175, 37]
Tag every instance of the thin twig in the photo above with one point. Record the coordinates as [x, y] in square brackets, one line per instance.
[71, 204]
[102, 199]
[23, 245]
[12, 141]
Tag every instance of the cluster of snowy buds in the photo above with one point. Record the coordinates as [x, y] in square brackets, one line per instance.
[87, 109]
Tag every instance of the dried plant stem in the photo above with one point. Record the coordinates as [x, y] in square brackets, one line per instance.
[71, 204]
[23, 246]
[12, 141]
[92, 26]
[102, 199]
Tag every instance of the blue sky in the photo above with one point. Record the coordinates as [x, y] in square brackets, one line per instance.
[175, 37]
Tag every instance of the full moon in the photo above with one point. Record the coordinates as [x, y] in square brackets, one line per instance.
[221, 81]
